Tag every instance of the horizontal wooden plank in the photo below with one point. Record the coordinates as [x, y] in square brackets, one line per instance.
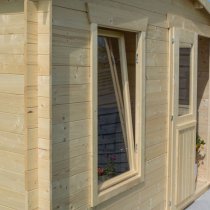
[12, 181]
[12, 142]
[12, 6]
[31, 98]
[63, 36]
[70, 56]
[32, 156]
[73, 18]
[44, 144]
[12, 199]
[156, 125]
[156, 150]
[44, 22]
[12, 44]
[12, 162]
[155, 177]
[69, 131]
[44, 65]
[44, 44]
[135, 198]
[32, 11]
[64, 168]
[12, 23]
[157, 59]
[156, 137]
[5, 208]
[157, 33]
[71, 185]
[32, 28]
[44, 6]
[43, 153]
[156, 46]
[44, 192]
[44, 107]
[156, 73]
[156, 99]
[155, 163]
[156, 200]
[154, 111]
[11, 83]
[64, 94]
[70, 112]
[33, 199]
[44, 86]
[116, 16]
[11, 123]
[163, 7]
[32, 179]
[44, 175]
[156, 86]
[76, 200]
[63, 75]
[32, 121]
[73, 4]
[44, 128]
[11, 103]
[11, 68]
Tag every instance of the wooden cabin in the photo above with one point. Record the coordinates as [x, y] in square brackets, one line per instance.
[102, 103]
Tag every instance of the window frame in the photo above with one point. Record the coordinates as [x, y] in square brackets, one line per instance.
[135, 175]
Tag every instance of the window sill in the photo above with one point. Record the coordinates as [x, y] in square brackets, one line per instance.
[122, 183]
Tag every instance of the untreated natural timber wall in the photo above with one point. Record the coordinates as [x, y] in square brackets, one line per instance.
[12, 142]
[71, 103]
[45, 103]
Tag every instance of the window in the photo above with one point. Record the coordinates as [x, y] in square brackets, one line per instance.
[118, 112]
[115, 126]
[184, 80]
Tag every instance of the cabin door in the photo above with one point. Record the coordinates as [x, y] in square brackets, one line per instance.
[183, 65]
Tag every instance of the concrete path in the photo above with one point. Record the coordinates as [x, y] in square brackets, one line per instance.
[202, 203]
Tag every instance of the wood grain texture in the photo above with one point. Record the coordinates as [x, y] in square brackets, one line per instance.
[12, 69]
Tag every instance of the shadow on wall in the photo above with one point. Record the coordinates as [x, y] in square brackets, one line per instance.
[203, 76]
[71, 118]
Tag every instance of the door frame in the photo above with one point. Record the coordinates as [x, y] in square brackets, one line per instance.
[177, 35]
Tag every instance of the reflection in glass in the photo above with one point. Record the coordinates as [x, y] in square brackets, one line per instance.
[184, 81]
[112, 142]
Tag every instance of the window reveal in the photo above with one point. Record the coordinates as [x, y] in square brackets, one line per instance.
[115, 123]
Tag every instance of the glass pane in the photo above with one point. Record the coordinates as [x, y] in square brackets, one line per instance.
[112, 149]
[184, 81]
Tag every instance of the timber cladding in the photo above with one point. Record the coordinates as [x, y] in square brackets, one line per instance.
[45, 101]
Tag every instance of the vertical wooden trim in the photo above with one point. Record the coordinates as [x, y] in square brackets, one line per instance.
[208, 136]
[195, 73]
[94, 113]
[30, 8]
[50, 104]
[140, 105]
[45, 192]
[116, 85]
[26, 156]
[127, 104]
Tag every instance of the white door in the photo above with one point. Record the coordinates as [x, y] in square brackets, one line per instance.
[183, 65]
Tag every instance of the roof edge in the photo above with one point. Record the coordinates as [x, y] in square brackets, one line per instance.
[206, 4]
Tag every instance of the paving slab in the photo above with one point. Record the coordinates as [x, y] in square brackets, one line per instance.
[202, 203]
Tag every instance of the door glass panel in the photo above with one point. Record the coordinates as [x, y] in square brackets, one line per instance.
[112, 141]
[184, 81]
